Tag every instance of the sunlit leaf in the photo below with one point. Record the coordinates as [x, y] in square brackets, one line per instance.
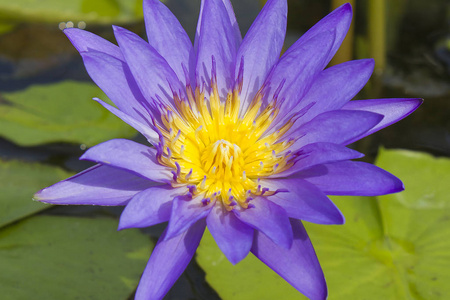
[249, 279]
[98, 11]
[18, 182]
[418, 222]
[61, 112]
[391, 247]
[48, 257]
[6, 27]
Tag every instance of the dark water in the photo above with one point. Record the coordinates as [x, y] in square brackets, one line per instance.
[418, 65]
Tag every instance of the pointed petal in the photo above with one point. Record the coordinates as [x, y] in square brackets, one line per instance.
[338, 20]
[303, 201]
[353, 178]
[167, 36]
[319, 153]
[231, 16]
[393, 110]
[337, 126]
[216, 39]
[151, 71]
[261, 48]
[149, 207]
[332, 88]
[114, 78]
[185, 212]
[298, 265]
[98, 185]
[233, 21]
[146, 130]
[296, 70]
[85, 41]
[232, 236]
[268, 218]
[168, 261]
[131, 156]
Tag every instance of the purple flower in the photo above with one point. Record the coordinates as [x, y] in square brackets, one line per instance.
[244, 142]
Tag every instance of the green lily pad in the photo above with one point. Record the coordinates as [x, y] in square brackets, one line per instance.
[49, 257]
[249, 279]
[391, 247]
[18, 182]
[417, 221]
[51, 11]
[6, 27]
[60, 112]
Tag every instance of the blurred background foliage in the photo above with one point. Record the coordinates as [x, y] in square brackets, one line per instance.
[392, 247]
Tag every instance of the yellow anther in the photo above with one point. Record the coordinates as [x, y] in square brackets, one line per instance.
[221, 152]
[182, 151]
[261, 166]
[197, 131]
[203, 184]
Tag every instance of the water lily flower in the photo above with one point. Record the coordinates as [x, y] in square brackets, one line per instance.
[241, 140]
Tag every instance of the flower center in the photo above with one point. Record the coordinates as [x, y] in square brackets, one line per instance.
[218, 152]
[222, 160]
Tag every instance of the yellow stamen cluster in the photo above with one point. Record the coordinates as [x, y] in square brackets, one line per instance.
[217, 153]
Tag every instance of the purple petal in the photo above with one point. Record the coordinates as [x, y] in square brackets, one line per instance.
[232, 236]
[234, 23]
[85, 41]
[217, 39]
[98, 185]
[167, 36]
[231, 16]
[185, 212]
[338, 20]
[131, 156]
[146, 130]
[149, 207]
[337, 126]
[168, 261]
[295, 72]
[298, 265]
[261, 48]
[151, 71]
[393, 110]
[114, 78]
[352, 178]
[304, 201]
[319, 153]
[332, 88]
[268, 218]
